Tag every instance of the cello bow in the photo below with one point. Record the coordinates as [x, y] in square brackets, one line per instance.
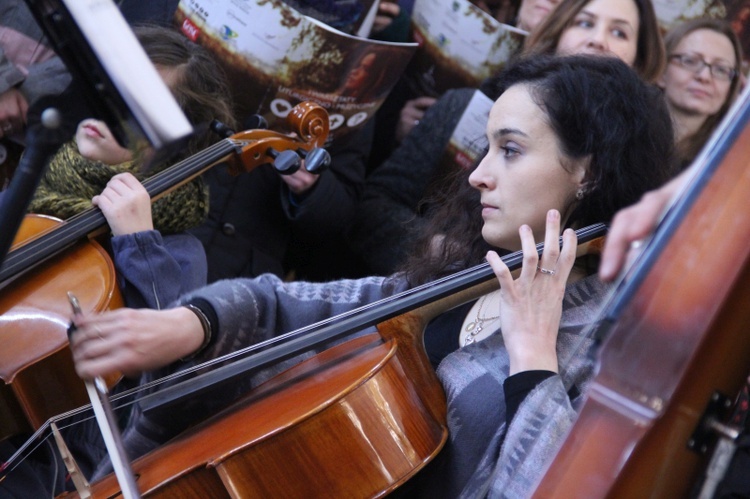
[675, 339]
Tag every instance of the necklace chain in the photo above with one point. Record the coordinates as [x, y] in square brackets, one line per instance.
[477, 325]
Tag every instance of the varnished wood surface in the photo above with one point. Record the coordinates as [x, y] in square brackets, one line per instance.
[683, 337]
[36, 367]
[347, 423]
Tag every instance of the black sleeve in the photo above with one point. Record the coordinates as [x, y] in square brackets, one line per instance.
[517, 387]
[213, 319]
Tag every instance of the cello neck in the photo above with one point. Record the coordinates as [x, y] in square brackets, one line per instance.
[451, 291]
[90, 221]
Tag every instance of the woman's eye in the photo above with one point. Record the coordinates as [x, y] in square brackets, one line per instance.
[620, 34]
[509, 151]
[584, 23]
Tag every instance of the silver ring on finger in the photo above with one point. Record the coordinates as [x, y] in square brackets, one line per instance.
[546, 271]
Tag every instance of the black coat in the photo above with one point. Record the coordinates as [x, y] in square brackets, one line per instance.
[253, 219]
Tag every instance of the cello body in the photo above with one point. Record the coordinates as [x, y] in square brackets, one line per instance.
[36, 367]
[680, 339]
[50, 258]
[357, 420]
[346, 423]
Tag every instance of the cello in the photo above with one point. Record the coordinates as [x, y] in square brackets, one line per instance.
[357, 420]
[676, 345]
[39, 380]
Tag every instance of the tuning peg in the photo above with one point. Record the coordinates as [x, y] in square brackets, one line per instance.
[220, 129]
[255, 122]
[317, 159]
[285, 162]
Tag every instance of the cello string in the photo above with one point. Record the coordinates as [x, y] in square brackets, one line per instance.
[303, 339]
[629, 281]
[129, 397]
[71, 230]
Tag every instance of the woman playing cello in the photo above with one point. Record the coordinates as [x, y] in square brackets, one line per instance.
[155, 259]
[572, 140]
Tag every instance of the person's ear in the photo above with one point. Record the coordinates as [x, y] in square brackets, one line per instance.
[580, 177]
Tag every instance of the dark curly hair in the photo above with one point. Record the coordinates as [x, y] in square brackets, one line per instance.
[602, 113]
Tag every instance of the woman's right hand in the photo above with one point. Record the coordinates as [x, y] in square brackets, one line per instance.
[130, 341]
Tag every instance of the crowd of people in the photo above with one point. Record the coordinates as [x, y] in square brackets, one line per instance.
[597, 119]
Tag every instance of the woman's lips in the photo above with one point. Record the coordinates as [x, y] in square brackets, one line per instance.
[699, 93]
[488, 209]
[92, 131]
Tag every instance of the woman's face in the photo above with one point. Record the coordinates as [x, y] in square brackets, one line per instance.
[96, 143]
[533, 12]
[95, 140]
[359, 75]
[603, 27]
[522, 176]
[698, 93]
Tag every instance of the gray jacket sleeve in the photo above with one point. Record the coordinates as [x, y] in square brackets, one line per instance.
[44, 78]
[253, 310]
[533, 438]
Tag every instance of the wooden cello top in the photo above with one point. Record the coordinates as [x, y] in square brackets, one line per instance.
[344, 423]
[34, 317]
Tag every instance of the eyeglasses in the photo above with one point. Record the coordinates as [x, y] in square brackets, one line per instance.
[695, 64]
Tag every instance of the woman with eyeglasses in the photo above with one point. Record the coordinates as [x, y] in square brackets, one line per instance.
[700, 82]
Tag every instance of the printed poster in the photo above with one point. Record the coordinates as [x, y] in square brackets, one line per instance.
[275, 58]
[460, 45]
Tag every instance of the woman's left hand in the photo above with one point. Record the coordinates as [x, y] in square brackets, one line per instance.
[531, 306]
[300, 181]
[126, 205]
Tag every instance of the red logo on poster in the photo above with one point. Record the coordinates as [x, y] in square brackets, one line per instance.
[190, 30]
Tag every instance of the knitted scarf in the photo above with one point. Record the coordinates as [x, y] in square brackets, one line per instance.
[71, 180]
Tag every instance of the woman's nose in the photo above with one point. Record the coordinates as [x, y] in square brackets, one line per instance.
[480, 177]
[704, 73]
[598, 39]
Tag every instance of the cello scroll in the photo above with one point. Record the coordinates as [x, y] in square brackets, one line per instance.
[310, 127]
